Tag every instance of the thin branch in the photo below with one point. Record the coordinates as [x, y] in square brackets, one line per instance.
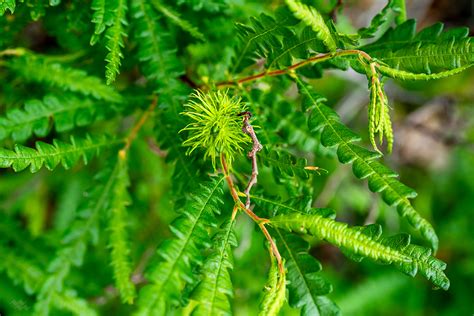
[134, 132]
[247, 128]
[315, 59]
[153, 146]
[260, 221]
[235, 194]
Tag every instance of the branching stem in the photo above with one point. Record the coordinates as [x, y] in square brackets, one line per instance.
[247, 128]
[260, 221]
[315, 59]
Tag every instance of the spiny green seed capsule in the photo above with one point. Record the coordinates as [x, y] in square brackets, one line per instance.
[215, 125]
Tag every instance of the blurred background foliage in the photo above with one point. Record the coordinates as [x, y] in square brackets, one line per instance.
[434, 153]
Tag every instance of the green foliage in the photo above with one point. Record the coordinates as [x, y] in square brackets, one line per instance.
[378, 112]
[430, 52]
[102, 17]
[213, 292]
[114, 40]
[65, 113]
[84, 231]
[7, 5]
[261, 38]
[275, 290]
[92, 238]
[179, 256]
[285, 163]
[118, 243]
[174, 17]
[367, 242]
[307, 289]
[155, 49]
[66, 154]
[312, 18]
[364, 163]
[57, 75]
[393, 8]
[21, 270]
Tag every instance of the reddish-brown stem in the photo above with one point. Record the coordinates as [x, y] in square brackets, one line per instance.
[315, 59]
[260, 221]
[134, 132]
[235, 194]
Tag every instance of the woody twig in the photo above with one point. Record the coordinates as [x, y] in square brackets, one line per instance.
[247, 128]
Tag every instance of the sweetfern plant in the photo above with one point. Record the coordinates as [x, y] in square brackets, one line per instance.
[188, 132]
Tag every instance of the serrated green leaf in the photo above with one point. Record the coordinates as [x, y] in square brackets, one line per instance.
[284, 163]
[305, 286]
[155, 50]
[38, 116]
[311, 17]
[175, 17]
[118, 235]
[393, 9]
[430, 54]
[274, 292]
[55, 74]
[114, 43]
[179, 256]
[83, 231]
[215, 289]
[102, 18]
[368, 242]
[262, 37]
[49, 155]
[363, 164]
[22, 270]
[295, 47]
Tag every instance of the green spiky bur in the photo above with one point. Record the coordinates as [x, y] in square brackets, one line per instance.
[215, 125]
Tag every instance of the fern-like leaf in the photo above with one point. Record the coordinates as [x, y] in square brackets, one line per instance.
[214, 290]
[9, 5]
[55, 74]
[50, 156]
[307, 289]
[64, 112]
[162, 68]
[84, 230]
[261, 37]
[285, 163]
[22, 270]
[118, 237]
[394, 8]
[179, 256]
[360, 242]
[160, 64]
[338, 234]
[364, 163]
[114, 36]
[295, 47]
[175, 17]
[430, 52]
[184, 173]
[312, 18]
[274, 291]
[102, 17]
